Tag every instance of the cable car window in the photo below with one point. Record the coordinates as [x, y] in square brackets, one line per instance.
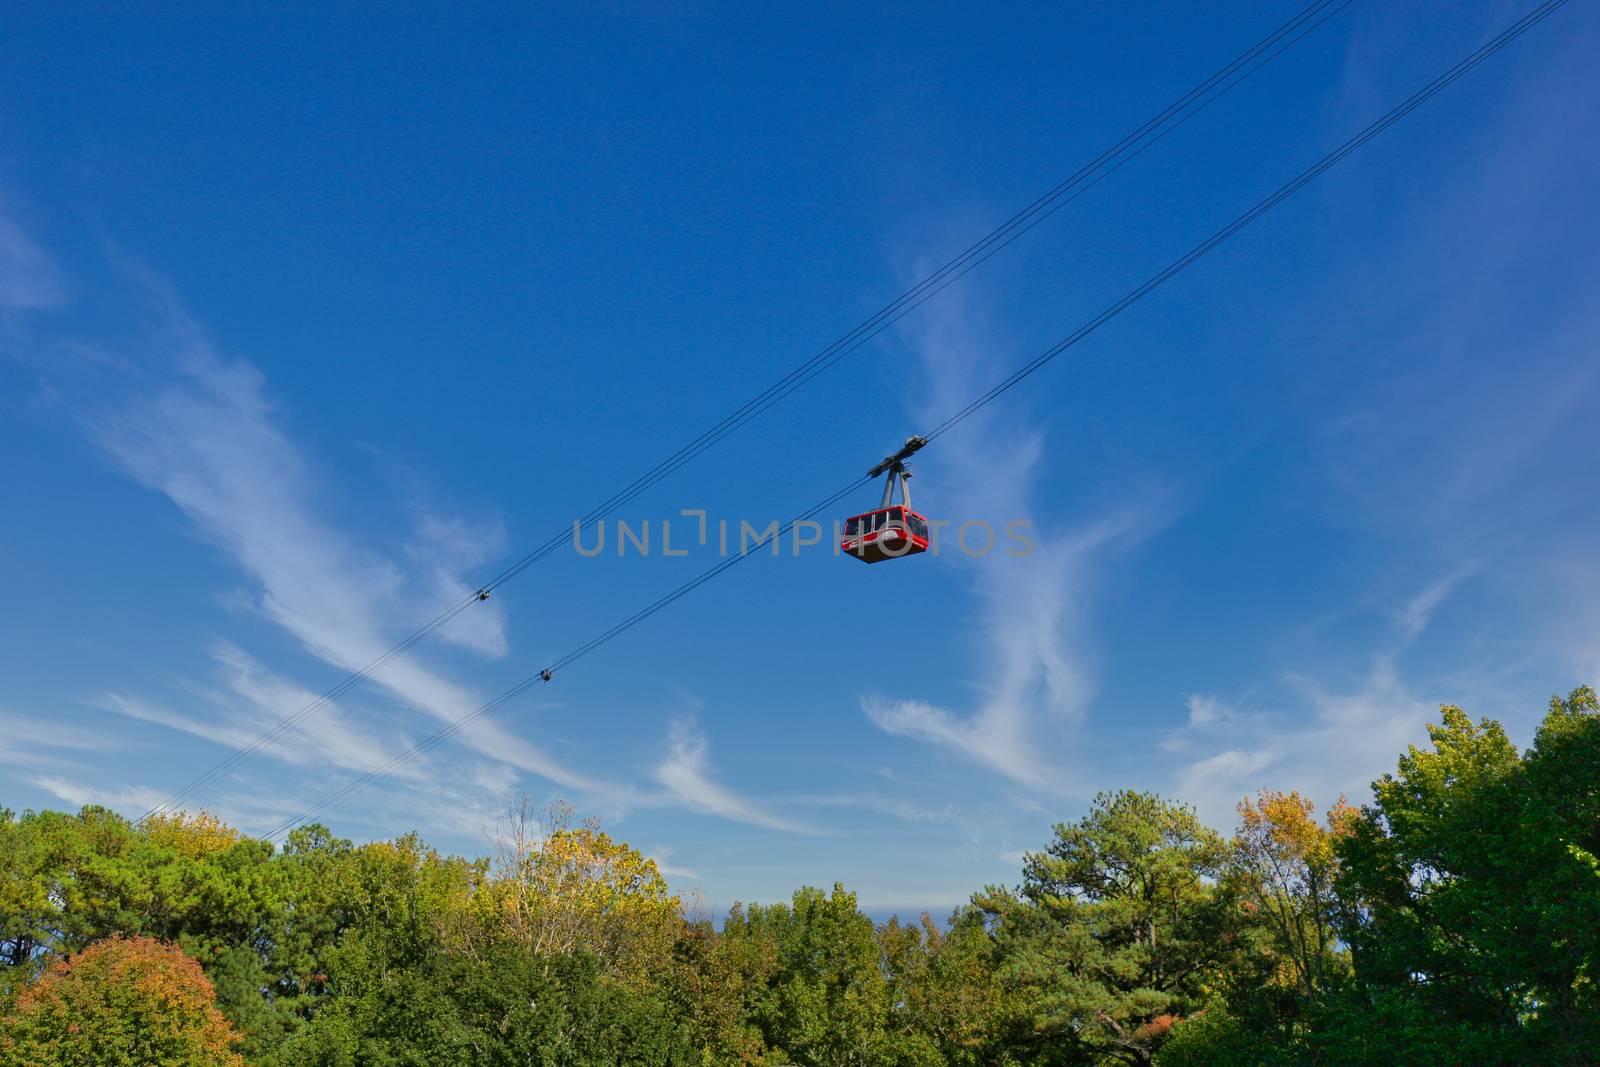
[852, 527]
[919, 526]
[880, 520]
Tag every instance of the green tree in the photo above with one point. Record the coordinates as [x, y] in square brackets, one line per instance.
[1114, 932]
[119, 1003]
[1429, 925]
[715, 982]
[1214, 1037]
[257, 922]
[63, 881]
[30, 918]
[825, 1000]
[945, 995]
[1472, 896]
[1561, 826]
[414, 984]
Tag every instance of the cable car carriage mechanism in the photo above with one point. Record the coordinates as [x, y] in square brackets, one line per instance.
[893, 530]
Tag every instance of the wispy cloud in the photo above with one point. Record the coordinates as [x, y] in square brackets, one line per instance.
[209, 440]
[29, 278]
[27, 741]
[1449, 442]
[686, 774]
[203, 430]
[1330, 741]
[1463, 430]
[998, 736]
[1210, 716]
[253, 700]
[444, 548]
[1037, 676]
[1418, 611]
[896, 807]
[125, 799]
[662, 855]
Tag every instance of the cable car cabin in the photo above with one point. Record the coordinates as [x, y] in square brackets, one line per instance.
[887, 533]
[893, 530]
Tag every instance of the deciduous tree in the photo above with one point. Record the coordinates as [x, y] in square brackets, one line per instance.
[561, 888]
[119, 1003]
[1283, 867]
[1472, 899]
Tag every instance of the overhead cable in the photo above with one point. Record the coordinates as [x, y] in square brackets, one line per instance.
[1285, 191]
[1086, 177]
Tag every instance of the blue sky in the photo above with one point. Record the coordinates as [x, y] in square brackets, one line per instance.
[309, 324]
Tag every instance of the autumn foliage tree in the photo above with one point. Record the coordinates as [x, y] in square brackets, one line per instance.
[119, 1003]
[559, 888]
[1453, 919]
[1283, 867]
[192, 836]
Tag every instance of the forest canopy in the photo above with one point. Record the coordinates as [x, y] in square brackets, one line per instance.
[1453, 917]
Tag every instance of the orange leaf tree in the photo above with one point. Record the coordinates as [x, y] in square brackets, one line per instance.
[119, 1003]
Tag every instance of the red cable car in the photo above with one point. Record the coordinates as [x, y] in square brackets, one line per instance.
[893, 530]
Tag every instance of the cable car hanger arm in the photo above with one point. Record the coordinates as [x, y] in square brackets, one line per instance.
[913, 443]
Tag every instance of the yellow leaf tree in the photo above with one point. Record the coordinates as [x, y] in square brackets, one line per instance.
[191, 836]
[560, 888]
[1284, 863]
